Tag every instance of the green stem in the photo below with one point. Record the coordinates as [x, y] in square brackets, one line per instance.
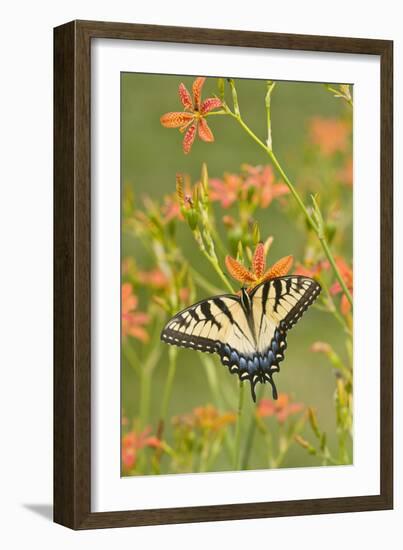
[131, 356]
[211, 374]
[203, 283]
[278, 167]
[212, 113]
[331, 308]
[298, 199]
[251, 431]
[211, 258]
[146, 373]
[172, 354]
[237, 451]
[332, 262]
[218, 240]
[145, 390]
[216, 265]
[270, 88]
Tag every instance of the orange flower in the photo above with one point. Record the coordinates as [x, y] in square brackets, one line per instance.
[132, 321]
[262, 179]
[192, 119]
[281, 409]
[206, 418]
[225, 191]
[132, 442]
[184, 295]
[170, 210]
[347, 275]
[259, 273]
[314, 270]
[329, 134]
[154, 278]
[209, 418]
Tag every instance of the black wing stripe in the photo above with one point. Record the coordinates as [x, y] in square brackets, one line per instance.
[193, 314]
[224, 308]
[278, 287]
[311, 293]
[202, 343]
[206, 310]
[265, 294]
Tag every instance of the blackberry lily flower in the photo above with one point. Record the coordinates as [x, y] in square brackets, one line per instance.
[192, 119]
[258, 273]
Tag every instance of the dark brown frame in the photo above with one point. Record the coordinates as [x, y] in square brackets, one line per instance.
[72, 325]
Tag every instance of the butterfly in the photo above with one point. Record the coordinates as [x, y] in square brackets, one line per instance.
[248, 331]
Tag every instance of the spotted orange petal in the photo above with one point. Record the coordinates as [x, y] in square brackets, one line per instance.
[204, 131]
[189, 138]
[196, 89]
[176, 120]
[279, 269]
[185, 96]
[238, 271]
[209, 104]
[259, 260]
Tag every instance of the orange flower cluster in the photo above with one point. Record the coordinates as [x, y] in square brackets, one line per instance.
[312, 271]
[256, 184]
[261, 178]
[281, 409]
[132, 320]
[133, 442]
[345, 271]
[206, 418]
[155, 278]
[329, 134]
[347, 275]
[259, 273]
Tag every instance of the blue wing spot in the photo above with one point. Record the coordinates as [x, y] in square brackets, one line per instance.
[235, 357]
[264, 362]
[251, 367]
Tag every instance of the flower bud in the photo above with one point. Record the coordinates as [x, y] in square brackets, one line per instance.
[221, 88]
[313, 421]
[192, 217]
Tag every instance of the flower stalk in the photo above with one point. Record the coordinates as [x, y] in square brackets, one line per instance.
[237, 450]
[315, 227]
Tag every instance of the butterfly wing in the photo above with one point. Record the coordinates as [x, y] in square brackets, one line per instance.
[209, 325]
[249, 334]
[276, 306]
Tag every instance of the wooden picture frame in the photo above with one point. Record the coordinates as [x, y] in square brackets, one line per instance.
[72, 273]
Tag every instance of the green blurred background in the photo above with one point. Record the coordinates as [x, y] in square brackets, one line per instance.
[151, 157]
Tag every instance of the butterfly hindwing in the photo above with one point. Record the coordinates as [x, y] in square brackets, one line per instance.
[248, 332]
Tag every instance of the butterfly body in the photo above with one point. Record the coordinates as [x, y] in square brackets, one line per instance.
[247, 331]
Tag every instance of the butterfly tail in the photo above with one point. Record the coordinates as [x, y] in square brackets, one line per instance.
[273, 386]
[252, 389]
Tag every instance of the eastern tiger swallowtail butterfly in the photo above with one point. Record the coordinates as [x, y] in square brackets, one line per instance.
[248, 331]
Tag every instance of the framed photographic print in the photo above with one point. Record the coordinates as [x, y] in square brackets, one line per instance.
[217, 355]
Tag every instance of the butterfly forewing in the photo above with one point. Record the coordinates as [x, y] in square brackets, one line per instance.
[281, 300]
[205, 326]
